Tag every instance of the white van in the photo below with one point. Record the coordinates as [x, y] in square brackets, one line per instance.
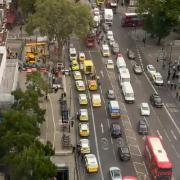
[72, 54]
[128, 92]
[105, 50]
[120, 62]
[124, 75]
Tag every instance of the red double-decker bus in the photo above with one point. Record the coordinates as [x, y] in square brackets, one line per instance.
[129, 178]
[132, 20]
[157, 161]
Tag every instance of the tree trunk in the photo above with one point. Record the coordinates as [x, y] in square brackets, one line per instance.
[60, 49]
[159, 41]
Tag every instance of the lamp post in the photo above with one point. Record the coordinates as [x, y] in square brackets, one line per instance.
[171, 48]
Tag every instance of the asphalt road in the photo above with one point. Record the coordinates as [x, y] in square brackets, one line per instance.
[162, 122]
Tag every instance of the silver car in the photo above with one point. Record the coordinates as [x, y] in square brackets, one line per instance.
[115, 173]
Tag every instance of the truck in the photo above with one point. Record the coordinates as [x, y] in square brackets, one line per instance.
[128, 92]
[108, 16]
[111, 4]
[88, 67]
[114, 109]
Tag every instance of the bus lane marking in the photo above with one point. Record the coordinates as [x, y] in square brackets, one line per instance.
[102, 128]
[159, 134]
[165, 132]
[173, 134]
[177, 154]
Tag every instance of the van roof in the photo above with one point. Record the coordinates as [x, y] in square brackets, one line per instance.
[124, 72]
[115, 104]
[127, 86]
[72, 50]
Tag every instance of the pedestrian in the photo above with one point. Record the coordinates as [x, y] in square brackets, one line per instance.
[82, 157]
[175, 86]
[78, 115]
[144, 41]
[171, 86]
[56, 89]
[72, 123]
[174, 75]
[73, 149]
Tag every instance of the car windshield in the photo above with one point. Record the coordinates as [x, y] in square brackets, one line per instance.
[111, 92]
[145, 108]
[151, 68]
[117, 174]
[159, 78]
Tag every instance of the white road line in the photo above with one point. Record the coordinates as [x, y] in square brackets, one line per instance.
[176, 126]
[174, 136]
[102, 94]
[159, 134]
[102, 128]
[54, 124]
[165, 132]
[102, 74]
[147, 122]
[177, 154]
[108, 123]
[96, 143]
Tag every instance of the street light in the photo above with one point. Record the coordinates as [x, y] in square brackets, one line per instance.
[171, 47]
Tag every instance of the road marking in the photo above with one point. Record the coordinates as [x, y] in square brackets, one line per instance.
[102, 94]
[177, 154]
[52, 111]
[174, 136]
[159, 134]
[102, 74]
[165, 132]
[176, 126]
[95, 135]
[146, 122]
[102, 128]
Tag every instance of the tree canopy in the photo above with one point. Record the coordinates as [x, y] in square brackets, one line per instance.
[60, 19]
[162, 16]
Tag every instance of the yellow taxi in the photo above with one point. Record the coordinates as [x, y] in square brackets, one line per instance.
[85, 146]
[84, 129]
[91, 163]
[92, 85]
[77, 75]
[96, 100]
[83, 115]
[83, 99]
[80, 85]
[82, 56]
[74, 65]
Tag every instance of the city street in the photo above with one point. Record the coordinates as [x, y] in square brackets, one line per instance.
[162, 122]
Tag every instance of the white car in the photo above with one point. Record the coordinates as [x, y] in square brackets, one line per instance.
[151, 69]
[145, 110]
[110, 64]
[157, 78]
[105, 50]
[80, 85]
[111, 41]
[85, 146]
[115, 173]
[110, 35]
[77, 75]
[96, 12]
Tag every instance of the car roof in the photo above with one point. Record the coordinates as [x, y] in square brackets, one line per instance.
[116, 125]
[91, 158]
[144, 104]
[84, 142]
[142, 121]
[84, 126]
[80, 83]
[96, 96]
[83, 111]
[114, 168]
[109, 32]
[77, 72]
[157, 74]
[150, 66]
[82, 95]
[109, 61]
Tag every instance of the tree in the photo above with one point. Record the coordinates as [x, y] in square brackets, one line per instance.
[161, 17]
[37, 83]
[60, 19]
[27, 7]
[32, 164]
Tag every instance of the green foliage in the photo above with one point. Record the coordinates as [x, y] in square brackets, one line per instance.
[27, 6]
[60, 19]
[32, 164]
[162, 16]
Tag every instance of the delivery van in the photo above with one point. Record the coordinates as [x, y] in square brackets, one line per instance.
[124, 75]
[120, 62]
[128, 92]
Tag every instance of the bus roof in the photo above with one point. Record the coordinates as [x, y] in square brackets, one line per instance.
[124, 72]
[129, 178]
[131, 14]
[159, 152]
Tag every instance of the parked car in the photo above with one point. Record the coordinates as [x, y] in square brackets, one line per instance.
[156, 101]
[110, 94]
[142, 127]
[124, 153]
[115, 130]
[137, 69]
[130, 54]
[144, 108]
[115, 173]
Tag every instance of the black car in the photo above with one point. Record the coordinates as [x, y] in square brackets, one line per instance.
[115, 130]
[124, 153]
[130, 54]
[142, 127]
[156, 100]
